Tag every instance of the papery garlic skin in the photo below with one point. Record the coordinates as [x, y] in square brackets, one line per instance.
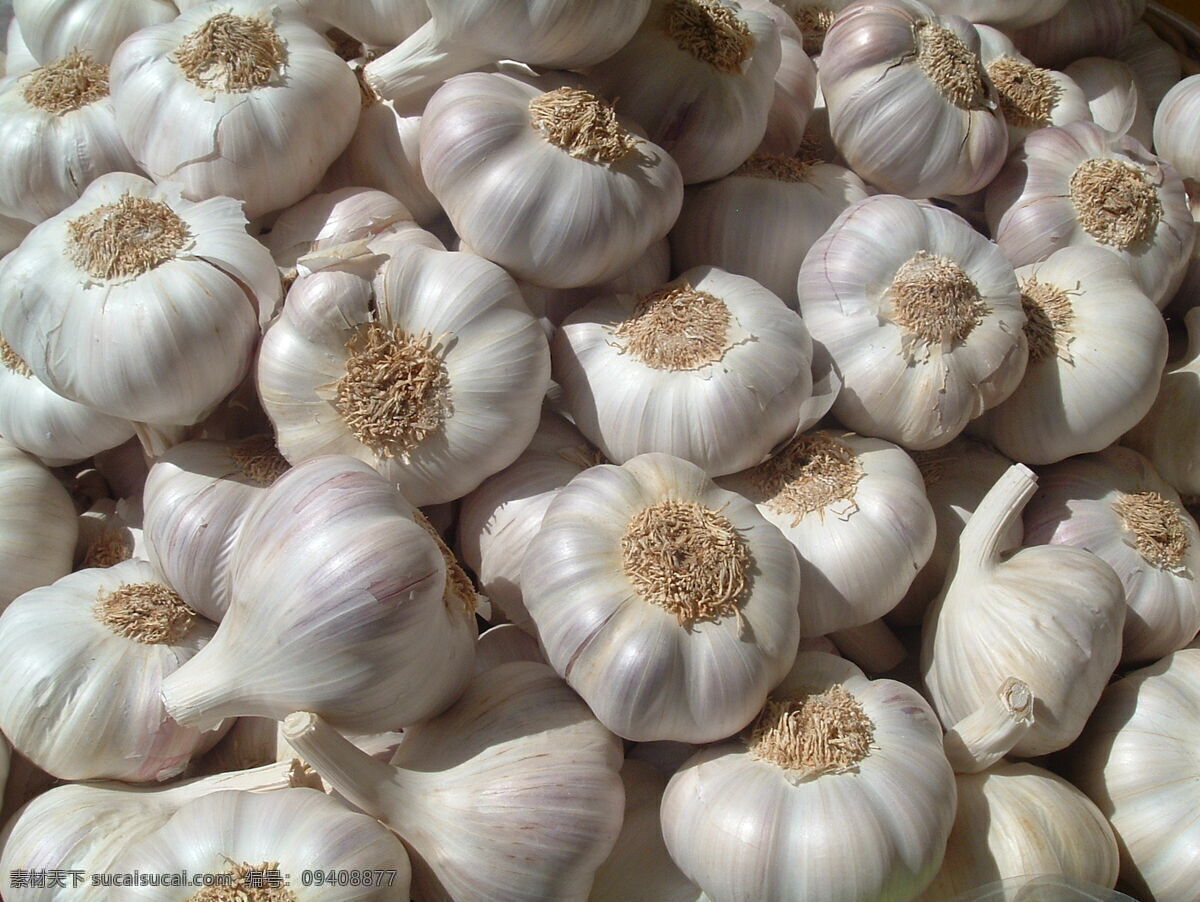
[920, 313]
[504, 644]
[37, 525]
[1114, 505]
[1097, 346]
[1154, 62]
[1114, 97]
[1003, 13]
[1176, 135]
[263, 132]
[378, 23]
[53, 28]
[875, 829]
[1052, 194]
[1018, 820]
[897, 77]
[656, 656]
[97, 712]
[1080, 28]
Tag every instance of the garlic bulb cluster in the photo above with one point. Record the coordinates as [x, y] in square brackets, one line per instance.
[99, 644]
[38, 526]
[1176, 135]
[920, 313]
[711, 367]
[758, 817]
[512, 794]
[910, 105]
[667, 603]
[253, 102]
[52, 29]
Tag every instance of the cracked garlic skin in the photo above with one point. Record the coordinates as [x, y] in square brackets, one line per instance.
[839, 791]
[667, 603]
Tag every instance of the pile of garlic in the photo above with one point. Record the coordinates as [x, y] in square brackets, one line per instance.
[559, 451]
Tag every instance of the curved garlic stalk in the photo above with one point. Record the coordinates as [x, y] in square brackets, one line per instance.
[53, 28]
[517, 770]
[985, 736]
[1114, 97]
[89, 826]
[110, 532]
[371, 622]
[1020, 820]
[1050, 616]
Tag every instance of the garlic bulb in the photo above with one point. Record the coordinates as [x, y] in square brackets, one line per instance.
[920, 313]
[855, 509]
[910, 106]
[253, 102]
[282, 835]
[1114, 505]
[166, 287]
[430, 369]
[699, 76]
[38, 525]
[197, 497]
[711, 367]
[1114, 97]
[371, 623]
[98, 645]
[1154, 62]
[379, 23]
[667, 603]
[550, 184]
[761, 220]
[1049, 616]
[1097, 346]
[1176, 135]
[110, 532]
[1135, 762]
[54, 28]
[1018, 820]
[795, 85]
[813, 18]
[88, 826]
[786, 812]
[1080, 28]
[57, 133]
[1008, 14]
[1057, 191]
[512, 795]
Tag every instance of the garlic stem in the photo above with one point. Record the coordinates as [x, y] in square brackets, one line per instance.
[364, 781]
[982, 539]
[985, 736]
[872, 646]
[423, 61]
[205, 699]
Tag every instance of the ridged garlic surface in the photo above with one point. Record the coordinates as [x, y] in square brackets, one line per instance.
[910, 106]
[1006, 13]
[711, 367]
[240, 99]
[289, 831]
[428, 366]
[783, 813]
[38, 525]
[1116, 506]
[1176, 135]
[1016, 820]
[371, 620]
[53, 28]
[81, 665]
[377, 23]
[1114, 97]
[813, 18]
[667, 603]
[1050, 616]
[920, 313]
[1056, 191]
[167, 290]
[1155, 63]
[1080, 28]
[699, 76]
[512, 795]
[795, 85]
[855, 509]
[1097, 345]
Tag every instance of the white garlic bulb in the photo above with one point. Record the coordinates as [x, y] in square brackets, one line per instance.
[197, 497]
[240, 99]
[699, 76]
[110, 532]
[1154, 62]
[1114, 505]
[371, 622]
[1056, 191]
[378, 23]
[53, 28]
[667, 603]
[1097, 346]
[1176, 135]
[551, 184]
[431, 368]
[855, 509]
[1135, 762]
[1019, 820]
[166, 287]
[512, 795]
[795, 85]
[1049, 616]
[920, 313]
[1008, 14]
[1080, 28]
[813, 18]
[786, 813]
[286, 836]
[98, 645]
[910, 105]
[38, 525]
[1114, 97]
